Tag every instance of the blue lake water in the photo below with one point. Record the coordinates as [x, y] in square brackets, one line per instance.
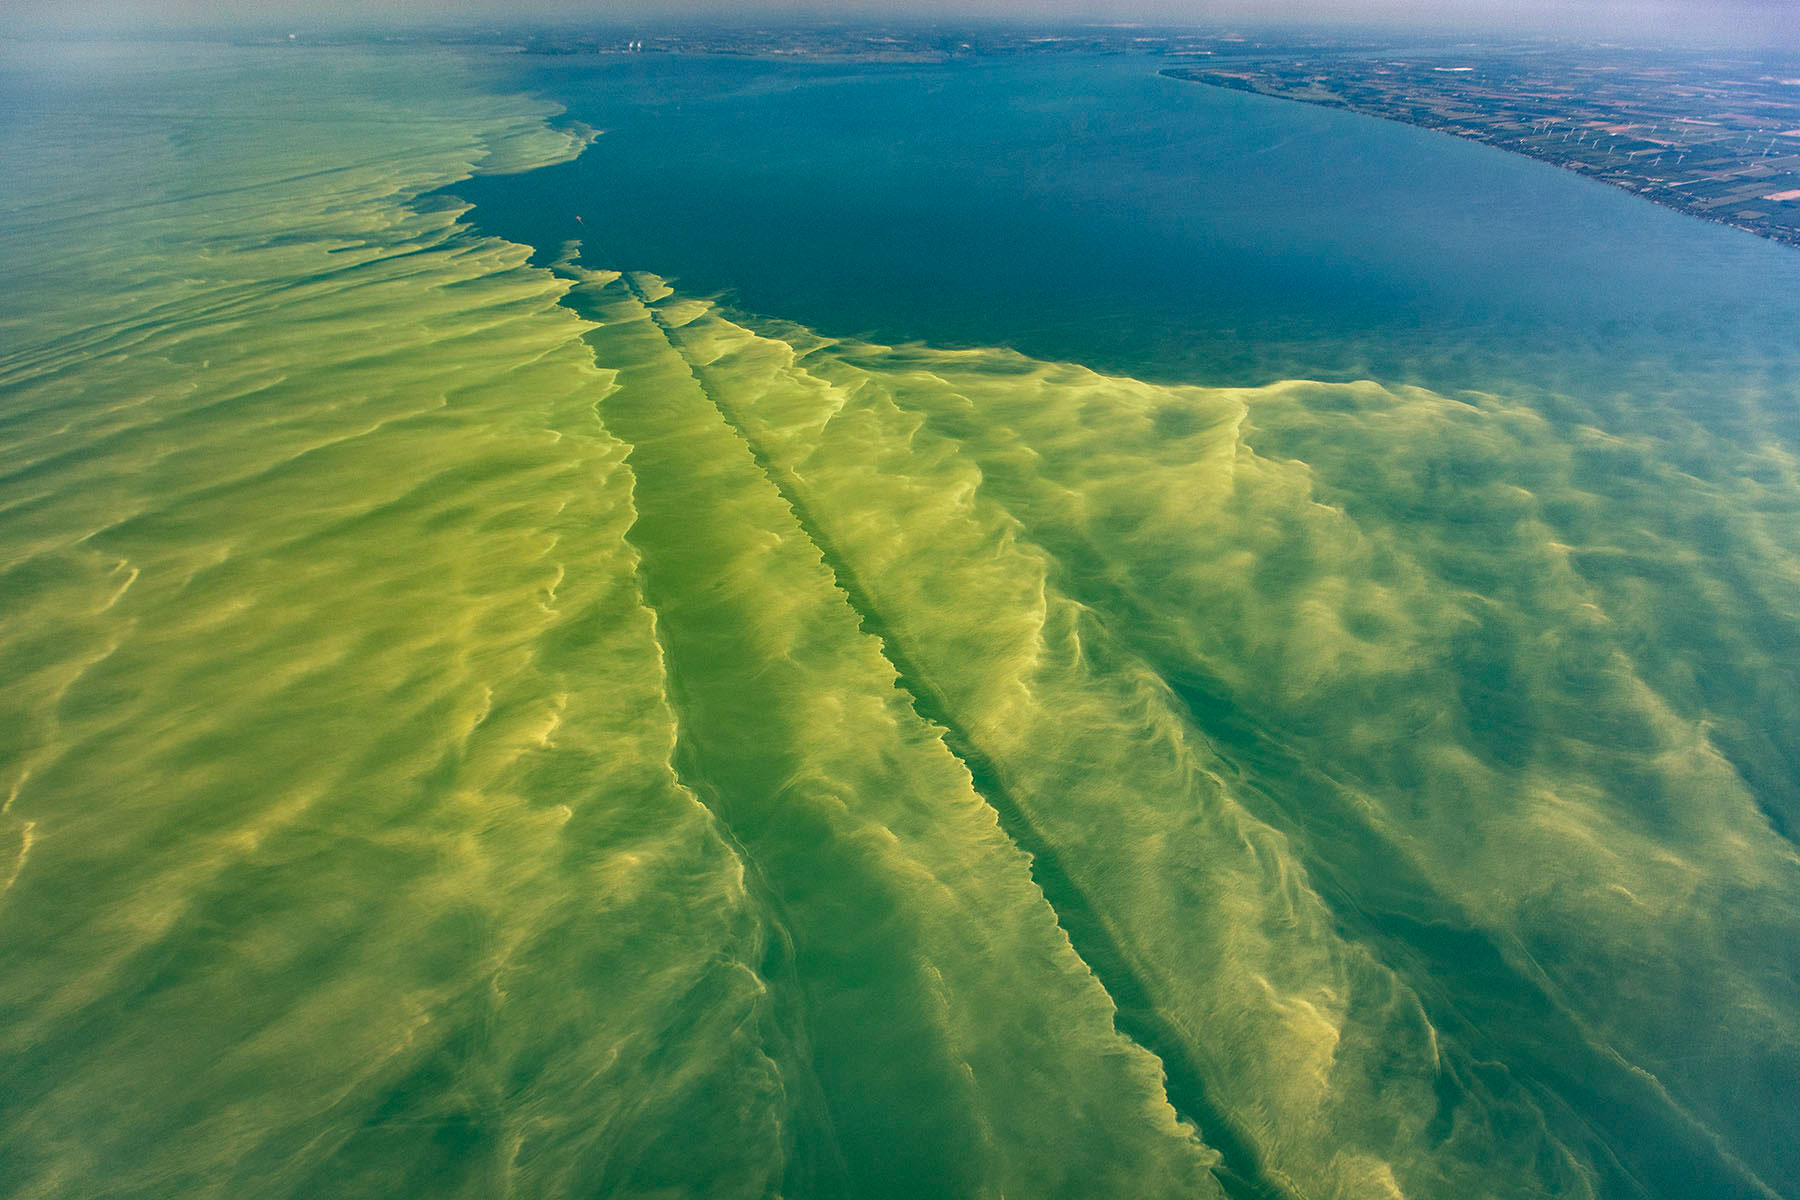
[1095, 211]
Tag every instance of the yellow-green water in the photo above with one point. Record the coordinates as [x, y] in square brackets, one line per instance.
[473, 728]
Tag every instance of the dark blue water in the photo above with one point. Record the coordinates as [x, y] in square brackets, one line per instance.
[1095, 211]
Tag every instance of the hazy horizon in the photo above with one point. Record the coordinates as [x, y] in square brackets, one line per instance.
[1765, 23]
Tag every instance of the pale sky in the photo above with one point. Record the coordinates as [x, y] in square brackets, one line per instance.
[1767, 22]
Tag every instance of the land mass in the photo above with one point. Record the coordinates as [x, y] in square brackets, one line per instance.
[1713, 136]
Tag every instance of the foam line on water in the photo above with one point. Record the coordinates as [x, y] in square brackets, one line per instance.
[1241, 1173]
[811, 472]
[814, 420]
[766, 771]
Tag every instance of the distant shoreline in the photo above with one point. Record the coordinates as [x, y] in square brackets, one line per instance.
[1773, 187]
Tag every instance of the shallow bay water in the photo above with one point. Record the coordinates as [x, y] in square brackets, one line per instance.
[1007, 629]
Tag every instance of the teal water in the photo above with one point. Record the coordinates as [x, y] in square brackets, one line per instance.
[1010, 629]
[1091, 210]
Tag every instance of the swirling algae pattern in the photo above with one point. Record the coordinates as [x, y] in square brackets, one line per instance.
[483, 728]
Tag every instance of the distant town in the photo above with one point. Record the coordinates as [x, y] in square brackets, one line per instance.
[1712, 134]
